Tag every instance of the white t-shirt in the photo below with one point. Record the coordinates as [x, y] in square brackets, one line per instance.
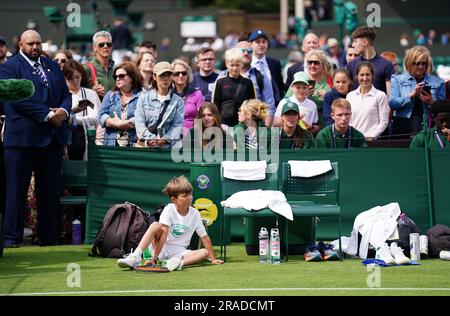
[307, 107]
[181, 228]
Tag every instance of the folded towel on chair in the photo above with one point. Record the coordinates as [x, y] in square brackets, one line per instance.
[254, 200]
[244, 170]
[308, 169]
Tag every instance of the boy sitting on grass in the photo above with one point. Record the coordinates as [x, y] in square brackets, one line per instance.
[171, 236]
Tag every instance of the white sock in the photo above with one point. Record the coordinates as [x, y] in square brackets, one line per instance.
[138, 252]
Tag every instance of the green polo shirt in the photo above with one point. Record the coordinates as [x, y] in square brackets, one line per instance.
[431, 137]
[325, 139]
[104, 76]
[287, 142]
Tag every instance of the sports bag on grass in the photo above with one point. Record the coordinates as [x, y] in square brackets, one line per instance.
[122, 229]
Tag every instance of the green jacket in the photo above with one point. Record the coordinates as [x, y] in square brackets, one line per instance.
[430, 136]
[287, 142]
[262, 133]
[325, 139]
[104, 77]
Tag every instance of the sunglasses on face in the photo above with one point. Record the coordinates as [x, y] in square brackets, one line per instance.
[313, 62]
[178, 73]
[108, 44]
[62, 60]
[120, 77]
[248, 50]
[417, 63]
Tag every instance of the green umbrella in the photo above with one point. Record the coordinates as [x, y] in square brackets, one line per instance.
[16, 89]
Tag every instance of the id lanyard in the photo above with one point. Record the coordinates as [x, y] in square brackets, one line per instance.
[441, 144]
[349, 138]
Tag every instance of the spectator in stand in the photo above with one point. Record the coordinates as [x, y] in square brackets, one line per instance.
[207, 132]
[262, 84]
[393, 58]
[3, 50]
[148, 47]
[370, 108]
[205, 78]
[320, 77]
[307, 108]
[85, 107]
[62, 56]
[291, 135]
[351, 53]
[363, 42]
[100, 67]
[231, 91]
[414, 92]
[251, 132]
[160, 112]
[432, 35]
[337, 56]
[268, 66]
[193, 99]
[342, 85]
[117, 112]
[310, 42]
[122, 40]
[439, 135]
[145, 64]
[293, 58]
[340, 134]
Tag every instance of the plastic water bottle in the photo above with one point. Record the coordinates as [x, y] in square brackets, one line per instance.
[263, 245]
[76, 232]
[275, 246]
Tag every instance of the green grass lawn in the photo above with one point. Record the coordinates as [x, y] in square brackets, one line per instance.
[43, 271]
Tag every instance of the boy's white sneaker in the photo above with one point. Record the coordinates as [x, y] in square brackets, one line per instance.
[444, 255]
[131, 261]
[174, 263]
[398, 254]
[385, 254]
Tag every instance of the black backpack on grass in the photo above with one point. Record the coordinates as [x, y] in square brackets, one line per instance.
[122, 229]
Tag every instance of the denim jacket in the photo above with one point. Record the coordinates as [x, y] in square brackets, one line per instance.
[401, 87]
[147, 112]
[111, 104]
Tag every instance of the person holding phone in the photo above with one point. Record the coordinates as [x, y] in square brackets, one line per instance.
[413, 93]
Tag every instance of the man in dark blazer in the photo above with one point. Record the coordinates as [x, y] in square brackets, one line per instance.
[35, 132]
[268, 66]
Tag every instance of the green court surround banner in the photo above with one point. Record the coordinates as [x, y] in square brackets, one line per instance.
[368, 177]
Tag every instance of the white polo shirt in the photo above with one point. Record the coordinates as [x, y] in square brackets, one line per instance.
[370, 112]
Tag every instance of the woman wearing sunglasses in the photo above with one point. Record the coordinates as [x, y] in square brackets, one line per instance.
[193, 99]
[413, 92]
[320, 76]
[62, 56]
[117, 113]
[160, 112]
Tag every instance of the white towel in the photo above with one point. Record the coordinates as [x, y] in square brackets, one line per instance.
[308, 169]
[244, 170]
[259, 199]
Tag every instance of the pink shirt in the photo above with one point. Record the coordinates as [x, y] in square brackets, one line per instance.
[192, 103]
